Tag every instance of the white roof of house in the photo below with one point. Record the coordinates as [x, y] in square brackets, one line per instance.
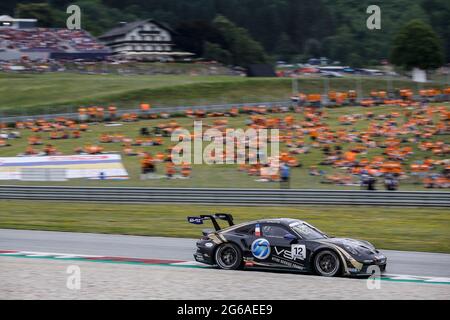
[5, 18]
[8, 18]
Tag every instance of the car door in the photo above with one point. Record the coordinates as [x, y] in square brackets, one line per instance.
[245, 236]
[258, 246]
[288, 250]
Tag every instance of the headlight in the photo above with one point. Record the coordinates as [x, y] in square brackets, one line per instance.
[352, 250]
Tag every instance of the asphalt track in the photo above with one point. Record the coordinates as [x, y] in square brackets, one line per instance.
[35, 265]
[399, 262]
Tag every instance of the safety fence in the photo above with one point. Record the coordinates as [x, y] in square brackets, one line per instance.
[228, 196]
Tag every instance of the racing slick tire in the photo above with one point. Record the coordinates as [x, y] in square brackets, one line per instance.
[327, 263]
[228, 257]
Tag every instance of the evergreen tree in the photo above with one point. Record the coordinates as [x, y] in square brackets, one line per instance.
[213, 51]
[417, 46]
[43, 12]
[282, 28]
[244, 50]
[284, 47]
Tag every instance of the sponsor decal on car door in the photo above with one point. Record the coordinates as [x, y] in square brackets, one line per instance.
[290, 257]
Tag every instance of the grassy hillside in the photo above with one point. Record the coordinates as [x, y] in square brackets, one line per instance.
[22, 94]
[213, 175]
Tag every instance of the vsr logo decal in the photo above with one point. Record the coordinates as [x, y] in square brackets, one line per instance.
[298, 251]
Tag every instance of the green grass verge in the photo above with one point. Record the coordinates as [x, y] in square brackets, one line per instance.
[414, 229]
[26, 94]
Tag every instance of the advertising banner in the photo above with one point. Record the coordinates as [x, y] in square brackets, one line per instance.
[102, 166]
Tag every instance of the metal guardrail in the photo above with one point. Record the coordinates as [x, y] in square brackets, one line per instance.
[169, 109]
[228, 196]
[158, 109]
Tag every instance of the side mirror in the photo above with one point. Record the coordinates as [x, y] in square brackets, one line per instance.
[290, 237]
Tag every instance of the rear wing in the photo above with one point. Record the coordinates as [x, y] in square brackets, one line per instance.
[213, 217]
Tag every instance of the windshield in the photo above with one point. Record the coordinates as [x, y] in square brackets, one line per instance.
[307, 232]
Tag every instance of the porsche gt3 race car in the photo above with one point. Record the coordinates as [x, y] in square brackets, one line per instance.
[283, 243]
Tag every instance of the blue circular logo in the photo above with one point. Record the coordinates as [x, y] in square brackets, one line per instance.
[261, 248]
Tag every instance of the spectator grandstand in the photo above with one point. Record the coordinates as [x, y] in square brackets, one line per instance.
[41, 43]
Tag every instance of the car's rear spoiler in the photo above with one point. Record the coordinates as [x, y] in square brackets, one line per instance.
[213, 217]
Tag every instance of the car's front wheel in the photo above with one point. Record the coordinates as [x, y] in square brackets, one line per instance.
[327, 263]
[228, 256]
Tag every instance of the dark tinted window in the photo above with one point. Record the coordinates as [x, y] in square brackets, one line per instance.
[307, 231]
[273, 231]
[248, 229]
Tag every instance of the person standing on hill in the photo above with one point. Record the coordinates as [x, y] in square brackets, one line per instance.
[285, 175]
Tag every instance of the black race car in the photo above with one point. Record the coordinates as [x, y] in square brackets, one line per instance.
[284, 244]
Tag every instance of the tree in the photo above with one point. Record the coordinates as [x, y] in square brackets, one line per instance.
[417, 46]
[340, 46]
[284, 47]
[283, 27]
[193, 35]
[97, 18]
[439, 16]
[243, 48]
[43, 12]
[213, 51]
[355, 60]
[313, 48]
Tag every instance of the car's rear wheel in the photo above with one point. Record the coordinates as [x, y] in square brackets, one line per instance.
[228, 256]
[327, 263]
